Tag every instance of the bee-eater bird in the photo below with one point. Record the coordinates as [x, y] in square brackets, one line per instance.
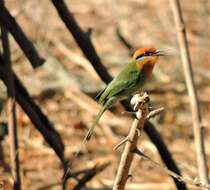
[128, 82]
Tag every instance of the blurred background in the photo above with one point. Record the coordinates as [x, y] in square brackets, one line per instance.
[65, 85]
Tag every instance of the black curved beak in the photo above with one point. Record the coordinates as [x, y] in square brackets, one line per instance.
[160, 53]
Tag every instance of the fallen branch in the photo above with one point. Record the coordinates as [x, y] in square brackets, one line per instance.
[141, 107]
[196, 114]
[7, 21]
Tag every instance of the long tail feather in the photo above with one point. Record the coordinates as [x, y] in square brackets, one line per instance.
[105, 107]
[90, 131]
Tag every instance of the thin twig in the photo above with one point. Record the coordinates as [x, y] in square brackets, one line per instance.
[11, 111]
[7, 21]
[127, 155]
[196, 114]
[171, 173]
[154, 113]
[121, 143]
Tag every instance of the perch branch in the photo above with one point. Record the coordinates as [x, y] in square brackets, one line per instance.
[127, 155]
[12, 123]
[7, 21]
[196, 114]
[81, 39]
[154, 135]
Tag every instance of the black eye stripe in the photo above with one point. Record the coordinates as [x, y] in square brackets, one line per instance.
[139, 56]
[145, 54]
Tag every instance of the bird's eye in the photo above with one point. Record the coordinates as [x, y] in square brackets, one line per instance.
[149, 53]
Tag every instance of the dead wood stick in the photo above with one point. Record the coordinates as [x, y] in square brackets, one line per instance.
[7, 21]
[196, 114]
[11, 111]
[132, 138]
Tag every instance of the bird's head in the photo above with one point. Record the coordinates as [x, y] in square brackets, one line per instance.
[147, 57]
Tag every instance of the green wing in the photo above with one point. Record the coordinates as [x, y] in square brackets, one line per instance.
[123, 84]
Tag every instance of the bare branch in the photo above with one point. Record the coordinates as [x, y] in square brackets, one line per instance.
[11, 111]
[127, 155]
[196, 114]
[7, 21]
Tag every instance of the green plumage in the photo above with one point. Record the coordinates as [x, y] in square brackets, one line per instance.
[127, 82]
